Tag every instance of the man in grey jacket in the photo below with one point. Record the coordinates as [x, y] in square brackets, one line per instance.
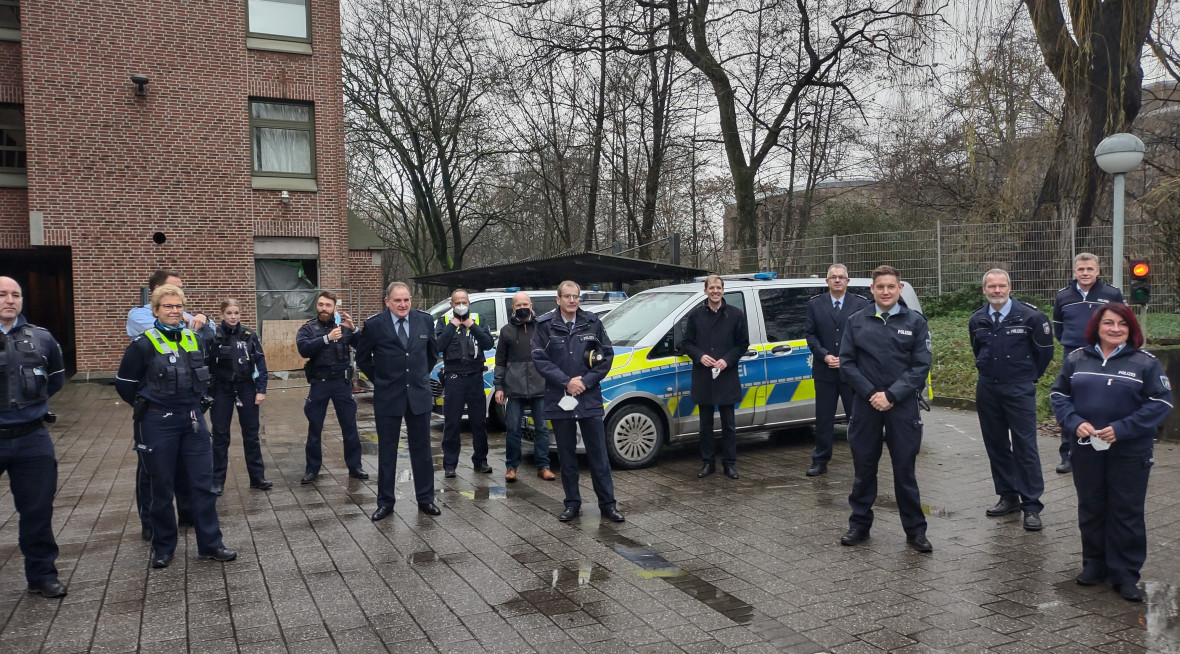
[519, 385]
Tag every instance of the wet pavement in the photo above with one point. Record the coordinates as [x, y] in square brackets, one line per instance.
[712, 565]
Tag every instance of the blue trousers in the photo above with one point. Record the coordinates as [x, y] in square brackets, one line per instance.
[513, 416]
[903, 434]
[594, 438]
[826, 395]
[728, 433]
[464, 393]
[143, 494]
[32, 477]
[339, 392]
[1008, 423]
[417, 442]
[172, 439]
[225, 399]
[1112, 490]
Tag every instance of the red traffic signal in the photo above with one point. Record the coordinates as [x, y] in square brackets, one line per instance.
[1140, 284]
[1140, 269]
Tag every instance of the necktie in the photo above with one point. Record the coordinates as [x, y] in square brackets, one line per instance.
[402, 334]
[996, 318]
[836, 306]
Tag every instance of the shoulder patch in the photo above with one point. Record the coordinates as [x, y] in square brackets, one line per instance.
[1048, 330]
[1164, 380]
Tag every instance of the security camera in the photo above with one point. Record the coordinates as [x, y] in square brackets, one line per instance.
[141, 81]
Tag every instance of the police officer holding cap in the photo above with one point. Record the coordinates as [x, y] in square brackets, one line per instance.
[462, 340]
[31, 370]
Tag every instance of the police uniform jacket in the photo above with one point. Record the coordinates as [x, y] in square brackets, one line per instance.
[326, 359]
[885, 353]
[31, 370]
[168, 369]
[1129, 391]
[462, 348]
[721, 334]
[1071, 313]
[1018, 350]
[516, 374]
[236, 357]
[400, 374]
[561, 353]
[824, 329]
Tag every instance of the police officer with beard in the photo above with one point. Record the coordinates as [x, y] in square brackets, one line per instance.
[461, 340]
[31, 370]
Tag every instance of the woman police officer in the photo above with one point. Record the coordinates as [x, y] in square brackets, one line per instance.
[239, 380]
[163, 375]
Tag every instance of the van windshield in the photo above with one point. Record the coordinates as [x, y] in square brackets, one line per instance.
[638, 316]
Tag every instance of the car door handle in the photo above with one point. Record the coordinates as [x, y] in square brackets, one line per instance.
[781, 349]
[749, 353]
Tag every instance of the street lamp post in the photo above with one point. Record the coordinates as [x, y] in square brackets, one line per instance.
[1118, 154]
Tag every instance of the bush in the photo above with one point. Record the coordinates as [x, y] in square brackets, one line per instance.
[969, 298]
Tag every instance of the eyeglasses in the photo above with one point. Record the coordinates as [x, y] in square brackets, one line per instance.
[838, 278]
[569, 297]
[172, 307]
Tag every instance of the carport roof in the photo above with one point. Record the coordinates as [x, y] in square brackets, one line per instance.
[584, 268]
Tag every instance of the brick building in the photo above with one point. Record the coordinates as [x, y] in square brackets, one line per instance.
[192, 135]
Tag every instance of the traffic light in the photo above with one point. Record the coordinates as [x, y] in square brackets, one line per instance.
[1140, 282]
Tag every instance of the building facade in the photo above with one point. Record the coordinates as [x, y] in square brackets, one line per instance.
[190, 135]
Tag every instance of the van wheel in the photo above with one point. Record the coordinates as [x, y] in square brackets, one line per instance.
[634, 437]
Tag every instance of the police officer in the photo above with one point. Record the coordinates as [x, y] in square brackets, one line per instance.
[1072, 309]
[164, 376]
[326, 342]
[462, 340]
[885, 357]
[573, 353]
[239, 380]
[1013, 345]
[31, 370]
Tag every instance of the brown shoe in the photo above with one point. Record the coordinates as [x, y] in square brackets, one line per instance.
[510, 476]
[546, 474]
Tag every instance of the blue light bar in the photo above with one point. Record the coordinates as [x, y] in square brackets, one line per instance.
[512, 289]
[765, 275]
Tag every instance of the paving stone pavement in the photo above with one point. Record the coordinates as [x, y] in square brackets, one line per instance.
[711, 565]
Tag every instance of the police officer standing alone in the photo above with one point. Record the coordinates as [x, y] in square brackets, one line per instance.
[326, 343]
[572, 352]
[1013, 345]
[826, 314]
[462, 340]
[885, 357]
[519, 385]
[239, 380]
[31, 371]
[715, 338]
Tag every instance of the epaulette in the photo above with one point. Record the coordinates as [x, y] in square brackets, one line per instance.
[1029, 305]
[372, 317]
[548, 315]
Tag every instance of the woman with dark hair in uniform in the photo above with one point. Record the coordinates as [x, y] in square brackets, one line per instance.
[1112, 396]
[239, 380]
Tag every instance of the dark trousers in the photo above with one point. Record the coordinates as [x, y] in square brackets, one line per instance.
[903, 434]
[826, 395]
[417, 442]
[464, 393]
[594, 439]
[339, 391]
[728, 433]
[143, 493]
[225, 398]
[1111, 490]
[1008, 423]
[32, 478]
[172, 439]
[513, 416]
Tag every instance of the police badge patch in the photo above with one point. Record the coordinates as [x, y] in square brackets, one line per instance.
[1046, 328]
[1164, 380]
[929, 346]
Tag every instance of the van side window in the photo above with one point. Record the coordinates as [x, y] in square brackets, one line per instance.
[487, 314]
[666, 347]
[784, 312]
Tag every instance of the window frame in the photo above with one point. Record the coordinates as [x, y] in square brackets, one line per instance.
[252, 34]
[270, 123]
[10, 31]
[12, 170]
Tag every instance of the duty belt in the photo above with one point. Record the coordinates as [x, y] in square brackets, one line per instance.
[319, 378]
[16, 431]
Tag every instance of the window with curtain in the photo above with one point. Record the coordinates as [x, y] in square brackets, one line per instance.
[282, 19]
[12, 138]
[282, 138]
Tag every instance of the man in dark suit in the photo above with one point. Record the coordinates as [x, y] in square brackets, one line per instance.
[826, 314]
[396, 350]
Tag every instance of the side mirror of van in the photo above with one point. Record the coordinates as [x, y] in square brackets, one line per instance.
[678, 338]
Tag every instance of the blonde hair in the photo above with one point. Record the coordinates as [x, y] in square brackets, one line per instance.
[162, 291]
[714, 278]
[229, 302]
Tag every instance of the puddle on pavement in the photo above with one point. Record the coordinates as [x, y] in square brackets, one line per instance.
[587, 573]
[936, 511]
[486, 493]
[1162, 619]
[422, 557]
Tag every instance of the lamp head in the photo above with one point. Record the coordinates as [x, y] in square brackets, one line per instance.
[1119, 153]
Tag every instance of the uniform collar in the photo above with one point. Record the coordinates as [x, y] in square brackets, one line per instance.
[20, 320]
[1004, 310]
[1098, 349]
[896, 309]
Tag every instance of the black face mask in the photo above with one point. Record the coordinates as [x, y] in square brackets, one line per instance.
[522, 314]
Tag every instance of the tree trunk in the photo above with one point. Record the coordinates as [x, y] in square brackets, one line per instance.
[596, 151]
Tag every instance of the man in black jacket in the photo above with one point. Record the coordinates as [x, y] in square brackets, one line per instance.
[461, 341]
[715, 338]
[519, 385]
[826, 314]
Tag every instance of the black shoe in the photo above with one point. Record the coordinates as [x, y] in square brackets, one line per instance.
[430, 508]
[261, 484]
[569, 514]
[48, 588]
[382, 513]
[1087, 578]
[1065, 468]
[730, 470]
[146, 533]
[707, 469]
[1032, 521]
[449, 473]
[482, 467]
[854, 536]
[817, 469]
[1005, 506]
[920, 543]
[218, 489]
[1129, 592]
[357, 473]
[309, 477]
[222, 554]
[161, 560]
[613, 515]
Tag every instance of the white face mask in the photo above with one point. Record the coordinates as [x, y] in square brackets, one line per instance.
[568, 403]
[460, 310]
